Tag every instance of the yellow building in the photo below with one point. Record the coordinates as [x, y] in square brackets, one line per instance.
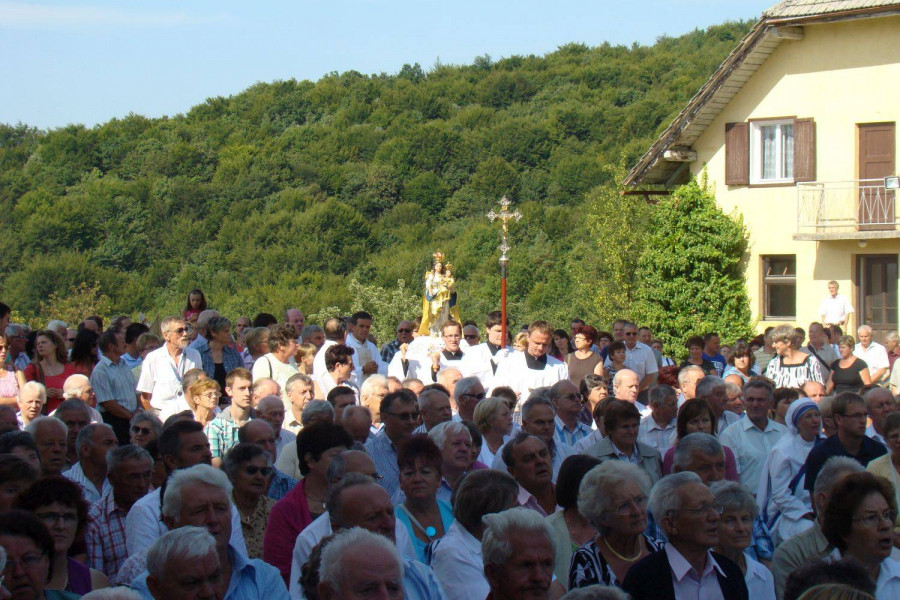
[797, 132]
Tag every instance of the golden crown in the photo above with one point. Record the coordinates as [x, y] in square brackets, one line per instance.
[438, 256]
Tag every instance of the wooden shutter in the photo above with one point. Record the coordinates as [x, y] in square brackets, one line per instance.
[737, 154]
[804, 150]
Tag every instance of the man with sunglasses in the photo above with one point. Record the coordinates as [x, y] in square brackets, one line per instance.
[400, 416]
[639, 357]
[404, 336]
[164, 368]
[568, 403]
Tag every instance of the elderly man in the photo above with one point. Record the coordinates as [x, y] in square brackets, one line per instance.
[200, 496]
[360, 560]
[686, 567]
[340, 397]
[313, 334]
[366, 358]
[262, 387]
[164, 368]
[76, 415]
[518, 552]
[567, 401]
[31, 400]
[298, 390]
[813, 390]
[50, 438]
[626, 384]
[639, 357]
[358, 423]
[688, 377]
[873, 353]
[223, 430]
[92, 445]
[539, 419]
[469, 392]
[271, 410]
[434, 406]
[820, 348]
[201, 342]
[371, 395]
[879, 404]
[399, 412]
[130, 469]
[181, 445]
[184, 565]
[335, 333]
[447, 378]
[753, 436]
[18, 336]
[835, 308]
[657, 429]
[78, 387]
[114, 384]
[525, 371]
[260, 433]
[527, 459]
[712, 389]
[295, 318]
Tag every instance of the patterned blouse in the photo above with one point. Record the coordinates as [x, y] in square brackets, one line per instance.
[794, 376]
[590, 568]
[253, 526]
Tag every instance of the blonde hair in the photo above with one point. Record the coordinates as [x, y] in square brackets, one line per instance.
[835, 591]
[521, 339]
[486, 410]
[304, 351]
[200, 386]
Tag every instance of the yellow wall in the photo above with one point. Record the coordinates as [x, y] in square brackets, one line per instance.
[840, 74]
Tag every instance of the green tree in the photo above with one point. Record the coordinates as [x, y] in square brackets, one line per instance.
[691, 271]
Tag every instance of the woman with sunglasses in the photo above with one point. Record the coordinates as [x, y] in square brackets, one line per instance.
[250, 469]
[144, 429]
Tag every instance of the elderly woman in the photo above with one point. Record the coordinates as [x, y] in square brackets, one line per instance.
[339, 365]
[741, 365]
[735, 528]
[256, 344]
[848, 373]
[32, 399]
[145, 428]
[218, 357]
[583, 360]
[694, 416]
[621, 421]
[276, 364]
[494, 420]
[203, 400]
[30, 554]
[454, 440]
[425, 517]
[249, 468]
[11, 380]
[781, 498]
[888, 466]
[146, 343]
[735, 402]
[16, 475]
[858, 521]
[570, 529]
[791, 367]
[51, 366]
[613, 498]
[58, 502]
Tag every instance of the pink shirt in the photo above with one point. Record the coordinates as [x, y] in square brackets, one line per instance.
[288, 518]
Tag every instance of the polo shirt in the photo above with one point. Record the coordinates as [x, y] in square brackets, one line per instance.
[869, 450]
[751, 447]
[569, 437]
[639, 359]
[875, 356]
[661, 438]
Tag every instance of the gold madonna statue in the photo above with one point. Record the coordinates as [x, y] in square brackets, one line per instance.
[439, 300]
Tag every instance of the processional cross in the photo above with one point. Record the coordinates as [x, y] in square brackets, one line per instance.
[504, 216]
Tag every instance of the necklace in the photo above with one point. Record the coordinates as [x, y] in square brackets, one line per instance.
[429, 531]
[619, 556]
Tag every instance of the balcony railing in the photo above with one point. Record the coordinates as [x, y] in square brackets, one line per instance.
[846, 210]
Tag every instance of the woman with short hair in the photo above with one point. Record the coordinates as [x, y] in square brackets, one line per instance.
[145, 428]
[791, 367]
[741, 365]
[256, 344]
[217, 357]
[583, 360]
[696, 415]
[694, 345]
[249, 468]
[203, 400]
[848, 373]
[494, 420]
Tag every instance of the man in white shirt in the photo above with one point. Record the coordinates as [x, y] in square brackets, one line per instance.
[526, 371]
[638, 357]
[164, 368]
[820, 348]
[366, 357]
[335, 333]
[873, 353]
[658, 428]
[712, 389]
[835, 308]
[487, 356]
[879, 404]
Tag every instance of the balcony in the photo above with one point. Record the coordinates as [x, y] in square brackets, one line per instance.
[846, 210]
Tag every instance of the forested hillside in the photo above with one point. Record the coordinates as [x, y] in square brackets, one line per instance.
[281, 195]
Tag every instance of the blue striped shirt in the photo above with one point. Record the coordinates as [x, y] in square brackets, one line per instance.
[114, 382]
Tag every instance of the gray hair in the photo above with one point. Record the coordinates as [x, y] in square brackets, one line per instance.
[372, 382]
[441, 431]
[116, 456]
[204, 318]
[782, 333]
[270, 399]
[664, 497]
[313, 409]
[56, 324]
[71, 404]
[333, 505]
[216, 323]
[185, 544]
[703, 443]
[660, 393]
[166, 325]
[182, 477]
[596, 592]
[292, 381]
[34, 386]
[86, 436]
[862, 328]
[33, 426]
[426, 397]
[833, 469]
[333, 569]
[241, 453]
[112, 593]
[890, 336]
[145, 417]
[496, 546]
[465, 384]
[685, 372]
[594, 491]
[734, 496]
[481, 493]
[308, 330]
[535, 401]
[708, 385]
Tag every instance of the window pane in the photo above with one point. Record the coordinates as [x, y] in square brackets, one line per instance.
[781, 266]
[781, 300]
[767, 151]
[787, 152]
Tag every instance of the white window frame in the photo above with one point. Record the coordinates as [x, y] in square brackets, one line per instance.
[756, 152]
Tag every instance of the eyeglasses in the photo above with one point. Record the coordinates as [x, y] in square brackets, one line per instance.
[873, 519]
[253, 470]
[28, 561]
[181, 330]
[624, 509]
[141, 430]
[471, 336]
[410, 416]
[854, 416]
[51, 518]
[211, 395]
[404, 330]
[572, 398]
[703, 508]
[479, 396]
[631, 333]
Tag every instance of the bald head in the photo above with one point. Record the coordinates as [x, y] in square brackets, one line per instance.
[357, 420]
[625, 385]
[448, 379]
[356, 461]
[263, 387]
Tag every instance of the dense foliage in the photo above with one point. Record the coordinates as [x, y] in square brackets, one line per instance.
[284, 194]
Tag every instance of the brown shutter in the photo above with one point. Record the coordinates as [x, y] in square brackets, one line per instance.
[804, 150]
[737, 154]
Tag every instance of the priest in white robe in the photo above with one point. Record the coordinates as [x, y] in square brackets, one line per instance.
[487, 356]
[366, 358]
[534, 368]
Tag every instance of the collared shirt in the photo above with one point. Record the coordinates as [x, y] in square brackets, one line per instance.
[761, 545]
[291, 424]
[457, 563]
[161, 377]
[285, 438]
[251, 579]
[639, 359]
[661, 438]
[727, 419]
[759, 580]
[634, 458]
[281, 484]
[114, 382]
[569, 437]
[384, 454]
[826, 355]
[587, 442]
[795, 551]
[105, 536]
[690, 584]
[751, 447]
[199, 343]
[875, 356]
[389, 350]
[222, 433]
[132, 362]
[869, 450]
[834, 309]
[230, 360]
[527, 500]
[21, 361]
[888, 584]
[91, 494]
[870, 432]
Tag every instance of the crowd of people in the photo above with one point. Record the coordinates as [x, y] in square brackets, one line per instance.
[271, 458]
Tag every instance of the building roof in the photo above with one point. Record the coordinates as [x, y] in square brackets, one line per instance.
[782, 21]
